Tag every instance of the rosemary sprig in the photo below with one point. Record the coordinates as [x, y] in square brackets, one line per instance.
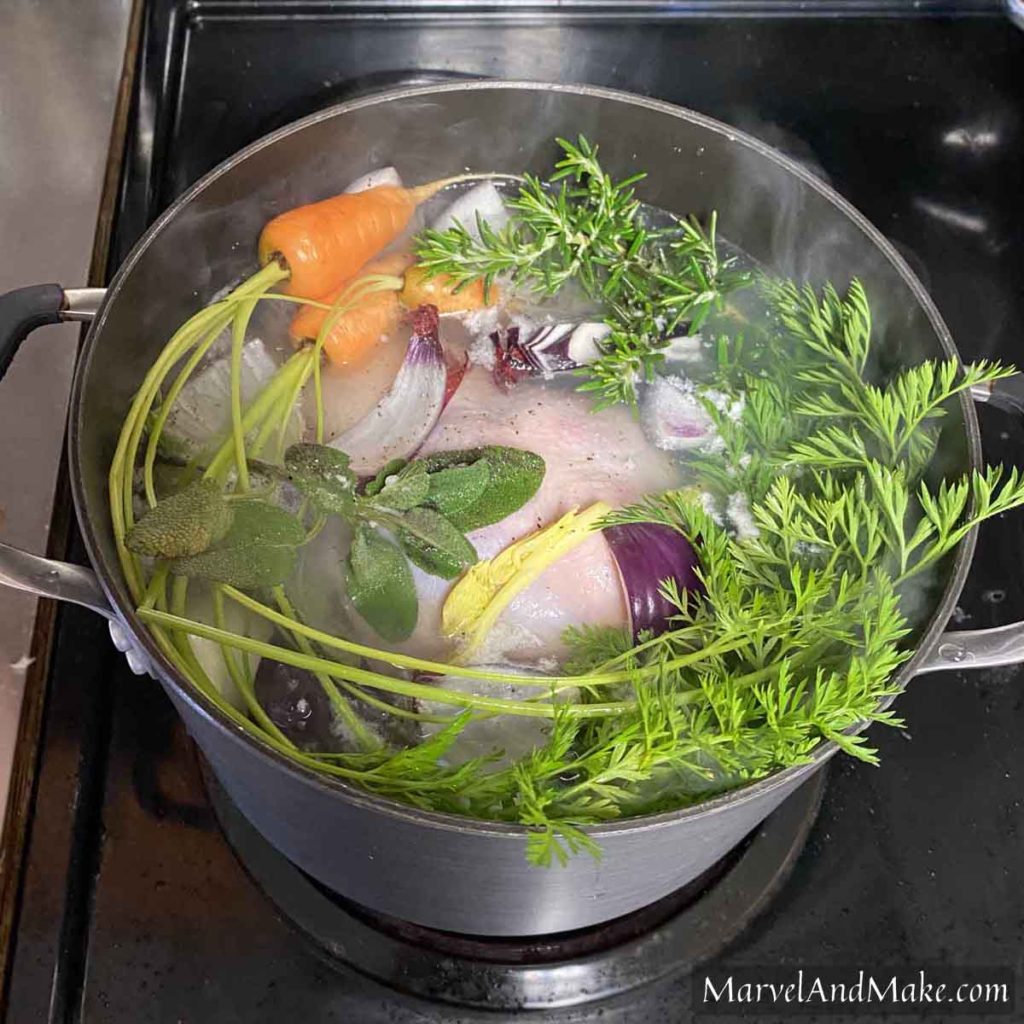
[581, 225]
[584, 227]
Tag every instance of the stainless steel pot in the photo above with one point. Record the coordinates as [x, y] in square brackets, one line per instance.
[444, 871]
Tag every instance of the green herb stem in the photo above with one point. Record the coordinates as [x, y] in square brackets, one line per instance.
[123, 463]
[345, 302]
[157, 428]
[239, 325]
[389, 684]
[418, 664]
[297, 368]
[241, 677]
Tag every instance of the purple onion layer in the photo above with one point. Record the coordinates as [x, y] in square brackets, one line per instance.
[646, 554]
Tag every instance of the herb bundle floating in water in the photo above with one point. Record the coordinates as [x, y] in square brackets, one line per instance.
[792, 637]
[581, 225]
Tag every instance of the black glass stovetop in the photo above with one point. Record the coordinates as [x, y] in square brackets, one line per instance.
[133, 907]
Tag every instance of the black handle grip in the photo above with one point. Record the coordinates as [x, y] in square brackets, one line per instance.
[22, 311]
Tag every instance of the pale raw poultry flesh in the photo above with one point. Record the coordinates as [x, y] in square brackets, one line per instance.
[589, 457]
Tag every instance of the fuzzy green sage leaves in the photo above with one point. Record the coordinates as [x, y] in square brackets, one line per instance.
[418, 512]
[322, 474]
[415, 511]
[380, 584]
[472, 500]
[182, 524]
[246, 542]
[259, 550]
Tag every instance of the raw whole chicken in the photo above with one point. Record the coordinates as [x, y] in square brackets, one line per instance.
[589, 457]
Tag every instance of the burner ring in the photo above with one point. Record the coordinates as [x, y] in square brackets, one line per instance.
[682, 930]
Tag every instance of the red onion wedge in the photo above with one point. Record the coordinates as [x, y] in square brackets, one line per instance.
[555, 347]
[398, 425]
[673, 417]
[456, 365]
[522, 351]
[511, 363]
[646, 554]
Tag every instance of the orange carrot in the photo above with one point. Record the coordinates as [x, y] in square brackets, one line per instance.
[356, 330]
[354, 334]
[326, 243]
[307, 322]
[421, 286]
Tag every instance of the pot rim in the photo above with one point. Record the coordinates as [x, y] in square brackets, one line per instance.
[112, 583]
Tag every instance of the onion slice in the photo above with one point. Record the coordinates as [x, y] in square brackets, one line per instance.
[203, 407]
[400, 422]
[527, 350]
[482, 202]
[511, 364]
[456, 365]
[646, 554]
[555, 347]
[683, 348]
[374, 179]
[673, 417]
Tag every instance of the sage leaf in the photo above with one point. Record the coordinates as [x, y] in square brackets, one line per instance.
[377, 483]
[405, 489]
[454, 490]
[380, 584]
[322, 474]
[515, 475]
[259, 550]
[182, 524]
[435, 544]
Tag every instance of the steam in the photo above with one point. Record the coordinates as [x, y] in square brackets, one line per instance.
[782, 212]
[800, 244]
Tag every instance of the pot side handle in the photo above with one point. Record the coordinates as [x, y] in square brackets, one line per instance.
[21, 312]
[976, 648]
[1003, 645]
[1006, 393]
